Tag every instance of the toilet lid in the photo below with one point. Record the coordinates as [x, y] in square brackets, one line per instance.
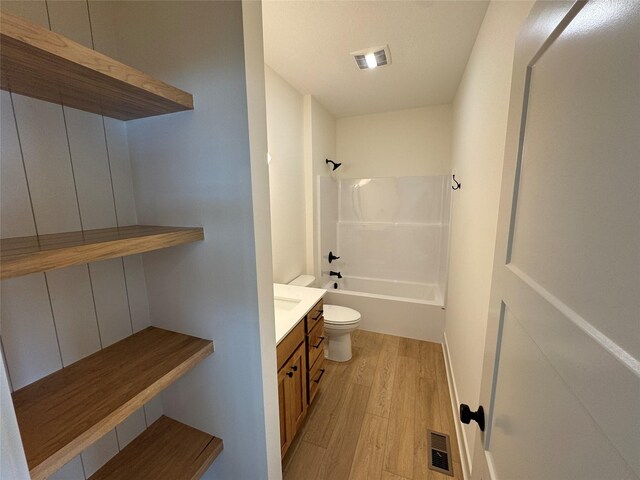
[336, 314]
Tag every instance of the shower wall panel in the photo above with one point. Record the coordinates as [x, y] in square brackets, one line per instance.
[394, 228]
[328, 191]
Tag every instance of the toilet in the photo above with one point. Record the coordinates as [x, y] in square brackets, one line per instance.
[339, 322]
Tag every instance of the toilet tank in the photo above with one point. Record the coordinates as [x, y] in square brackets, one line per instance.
[303, 281]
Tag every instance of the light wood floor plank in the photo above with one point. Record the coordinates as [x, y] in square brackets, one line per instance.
[364, 367]
[433, 475]
[391, 476]
[382, 386]
[400, 438]
[391, 341]
[457, 471]
[345, 437]
[367, 463]
[365, 357]
[364, 338]
[307, 464]
[330, 399]
[295, 444]
[410, 347]
[427, 364]
[427, 417]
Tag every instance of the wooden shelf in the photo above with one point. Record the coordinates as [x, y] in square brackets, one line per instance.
[25, 255]
[65, 412]
[166, 450]
[45, 65]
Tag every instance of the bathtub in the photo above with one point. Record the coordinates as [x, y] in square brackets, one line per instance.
[405, 309]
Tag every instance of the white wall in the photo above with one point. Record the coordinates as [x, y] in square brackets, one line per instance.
[320, 144]
[195, 168]
[479, 129]
[65, 170]
[256, 103]
[302, 134]
[415, 142]
[285, 132]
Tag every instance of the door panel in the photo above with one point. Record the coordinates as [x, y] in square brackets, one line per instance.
[561, 377]
[571, 448]
[577, 202]
[606, 387]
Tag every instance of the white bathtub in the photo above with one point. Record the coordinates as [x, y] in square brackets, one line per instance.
[406, 309]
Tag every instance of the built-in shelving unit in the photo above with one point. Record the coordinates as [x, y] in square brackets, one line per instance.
[39, 63]
[25, 255]
[167, 449]
[65, 412]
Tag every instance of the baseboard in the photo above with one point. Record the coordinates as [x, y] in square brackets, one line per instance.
[462, 440]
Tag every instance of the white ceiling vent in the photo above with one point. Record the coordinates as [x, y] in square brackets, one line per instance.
[372, 57]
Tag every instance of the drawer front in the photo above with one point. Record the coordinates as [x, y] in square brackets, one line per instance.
[316, 376]
[316, 342]
[289, 344]
[314, 316]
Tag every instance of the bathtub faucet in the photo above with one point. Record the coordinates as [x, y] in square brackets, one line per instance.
[335, 274]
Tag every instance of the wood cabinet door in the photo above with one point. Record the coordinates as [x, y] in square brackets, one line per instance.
[285, 418]
[292, 396]
[297, 385]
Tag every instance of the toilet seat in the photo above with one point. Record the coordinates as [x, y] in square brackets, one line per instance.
[338, 315]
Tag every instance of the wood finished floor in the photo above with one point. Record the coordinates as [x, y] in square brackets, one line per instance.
[370, 418]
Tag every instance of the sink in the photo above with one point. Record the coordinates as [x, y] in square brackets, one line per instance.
[286, 304]
[292, 303]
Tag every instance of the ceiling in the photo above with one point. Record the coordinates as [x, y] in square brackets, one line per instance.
[308, 44]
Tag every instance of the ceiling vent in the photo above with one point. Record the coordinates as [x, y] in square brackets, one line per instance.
[372, 57]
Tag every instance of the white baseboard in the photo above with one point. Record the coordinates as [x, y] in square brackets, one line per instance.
[463, 447]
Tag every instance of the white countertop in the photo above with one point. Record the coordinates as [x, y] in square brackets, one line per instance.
[297, 301]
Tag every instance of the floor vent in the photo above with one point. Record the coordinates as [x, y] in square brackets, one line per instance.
[439, 456]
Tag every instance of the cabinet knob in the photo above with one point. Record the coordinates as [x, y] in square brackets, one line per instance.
[294, 368]
[289, 374]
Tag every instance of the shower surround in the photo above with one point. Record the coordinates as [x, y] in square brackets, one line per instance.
[392, 236]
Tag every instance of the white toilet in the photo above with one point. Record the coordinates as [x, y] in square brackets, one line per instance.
[339, 322]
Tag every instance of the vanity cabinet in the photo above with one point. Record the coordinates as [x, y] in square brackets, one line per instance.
[300, 357]
[292, 391]
[292, 385]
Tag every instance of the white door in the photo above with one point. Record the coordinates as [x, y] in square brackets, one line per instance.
[561, 376]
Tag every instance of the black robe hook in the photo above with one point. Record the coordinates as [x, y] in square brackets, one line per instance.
[458, 184]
